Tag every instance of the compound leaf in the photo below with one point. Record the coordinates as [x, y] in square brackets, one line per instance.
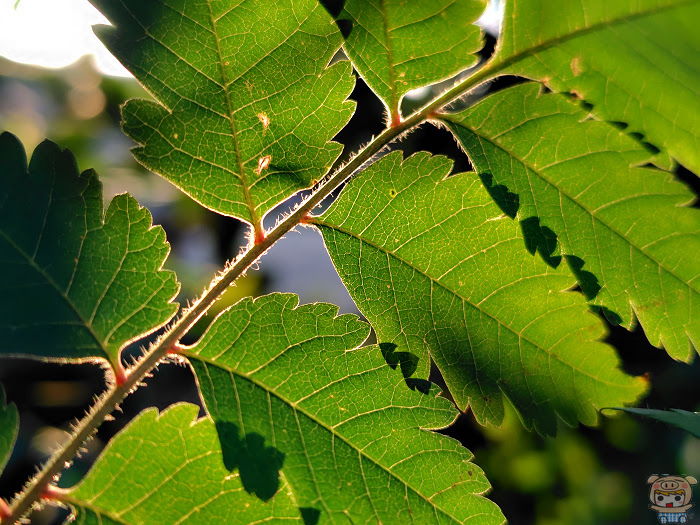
[289, 384]
[625, 229]
[246, 105]
[688, 421]
[399, 45]
[75, 282]
[168, 468]
[439, 271]
[9, 427]
[636, 62]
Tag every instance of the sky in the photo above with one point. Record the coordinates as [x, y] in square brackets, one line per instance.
[53, 33]
[56, 33]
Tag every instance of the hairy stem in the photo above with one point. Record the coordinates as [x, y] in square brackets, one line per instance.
[36, 488]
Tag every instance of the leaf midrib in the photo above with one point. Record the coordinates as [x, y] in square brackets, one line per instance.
[467, 301]
[234, 132]
[55, 286]
[394, 109]
[294, 406]
[574, 201]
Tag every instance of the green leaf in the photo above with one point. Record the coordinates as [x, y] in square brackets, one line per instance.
[246, 104]
[636, 62]
[688, 421]
[624, 229]
[349, 435]
[76, 282]
[437, 270]
[399, 45]
[9, 427]
[167, 468]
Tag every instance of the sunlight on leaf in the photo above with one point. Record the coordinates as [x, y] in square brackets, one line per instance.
[167, 468]
[246, 105]
[625, 230]
[440, 272]
[636, 62]
[339, 422]
[398, 46]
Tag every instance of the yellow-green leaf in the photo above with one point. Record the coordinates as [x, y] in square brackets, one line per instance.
[625, 229]
[439, 271]
[399, 45]
[246, 105]
[168, 468]
[635, 61]
[289, 384]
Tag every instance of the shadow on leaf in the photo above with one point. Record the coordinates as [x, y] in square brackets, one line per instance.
[540, 239]
[257, 464]
[408, 363]
[543, 240]
[587, 281]
[310, 515]
[335, 8]
[508, 201]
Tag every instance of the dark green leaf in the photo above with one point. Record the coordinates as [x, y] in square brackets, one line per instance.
[399, 45]
[636, 62]
[289, 390]
[76, 282]
[246, 105]
[9, 426]
[688, 421]
[437, 270]
[624, 229]
[167, 468]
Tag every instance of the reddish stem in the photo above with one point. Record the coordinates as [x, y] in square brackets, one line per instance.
[52, 492]
[175, 349]
[119, 373]
[258, 233]
[4, 509]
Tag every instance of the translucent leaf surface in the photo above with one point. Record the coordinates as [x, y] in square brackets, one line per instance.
[627, 235]
[289, 390]
[246, 105]
[9, 426]
[399, 45]
[439, 271]
[75, 282]
[635, 61]
[688, 421]
[166, 469]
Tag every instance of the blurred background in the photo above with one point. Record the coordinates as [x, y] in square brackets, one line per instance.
[58, 82]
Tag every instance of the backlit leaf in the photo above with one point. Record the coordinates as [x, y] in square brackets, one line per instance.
[75, 282]
[635, 61]
[399, 45]
[624, 229]
[168, 468]
[289, 390]
[440, 272]
[246, 105]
